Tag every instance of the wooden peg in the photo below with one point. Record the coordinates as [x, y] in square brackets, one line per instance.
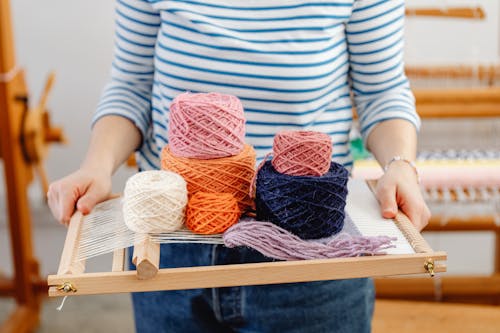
[146, 258]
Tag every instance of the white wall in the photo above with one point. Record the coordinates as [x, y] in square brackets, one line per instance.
[74, 38]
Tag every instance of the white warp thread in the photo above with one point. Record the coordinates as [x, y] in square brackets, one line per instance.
[155, 202]
[104, 231]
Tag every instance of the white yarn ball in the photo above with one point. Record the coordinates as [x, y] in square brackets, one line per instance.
[155, 201]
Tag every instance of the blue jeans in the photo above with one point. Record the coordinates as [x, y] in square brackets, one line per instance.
[327, 306]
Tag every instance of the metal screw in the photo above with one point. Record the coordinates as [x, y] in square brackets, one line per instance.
[429, 267]
[67, 287]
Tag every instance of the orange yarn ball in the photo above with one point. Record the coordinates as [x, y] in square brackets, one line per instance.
[233, 174]
[211, 213]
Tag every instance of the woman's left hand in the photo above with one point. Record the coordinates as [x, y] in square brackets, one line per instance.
[398, 188]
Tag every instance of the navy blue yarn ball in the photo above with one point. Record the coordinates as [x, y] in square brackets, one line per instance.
[310, 207]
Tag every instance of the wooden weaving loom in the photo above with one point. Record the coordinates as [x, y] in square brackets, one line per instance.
[72, 280]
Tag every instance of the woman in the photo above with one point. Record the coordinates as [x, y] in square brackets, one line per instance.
[295, 65]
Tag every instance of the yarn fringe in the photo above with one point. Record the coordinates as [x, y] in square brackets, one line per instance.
[275, 242]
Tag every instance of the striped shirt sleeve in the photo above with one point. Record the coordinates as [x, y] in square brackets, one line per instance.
[128, 94]
[375, 44]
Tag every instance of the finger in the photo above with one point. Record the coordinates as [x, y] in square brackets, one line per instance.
[66, 205]
[88, 201]
[425, 216]
[414, 216]
[53, 202]
[61, 202]
[387, 199]
[417, 212]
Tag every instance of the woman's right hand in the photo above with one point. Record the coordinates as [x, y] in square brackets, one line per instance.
[81, 190]
[113, 139]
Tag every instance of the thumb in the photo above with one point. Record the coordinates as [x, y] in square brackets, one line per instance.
[387, 200]
[87, 201]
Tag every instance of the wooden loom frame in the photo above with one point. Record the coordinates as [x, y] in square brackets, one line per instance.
[71, 279]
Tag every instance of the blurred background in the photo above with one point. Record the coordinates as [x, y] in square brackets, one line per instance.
[75, 39]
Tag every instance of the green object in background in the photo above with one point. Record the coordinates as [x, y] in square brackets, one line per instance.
[358, 150]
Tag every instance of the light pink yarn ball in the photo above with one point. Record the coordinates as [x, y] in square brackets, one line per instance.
[206, 125]
[302, 153]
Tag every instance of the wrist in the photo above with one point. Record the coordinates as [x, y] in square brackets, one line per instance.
[404, 162]
[95, 165]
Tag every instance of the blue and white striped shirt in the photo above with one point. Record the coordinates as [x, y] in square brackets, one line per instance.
[293, 64]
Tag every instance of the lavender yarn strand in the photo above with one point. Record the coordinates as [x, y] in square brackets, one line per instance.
[275, 242]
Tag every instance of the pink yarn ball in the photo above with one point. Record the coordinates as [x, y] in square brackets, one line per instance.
[206, 125]
[302, 153]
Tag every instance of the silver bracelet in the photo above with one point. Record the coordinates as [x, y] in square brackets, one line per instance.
[399, 158]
